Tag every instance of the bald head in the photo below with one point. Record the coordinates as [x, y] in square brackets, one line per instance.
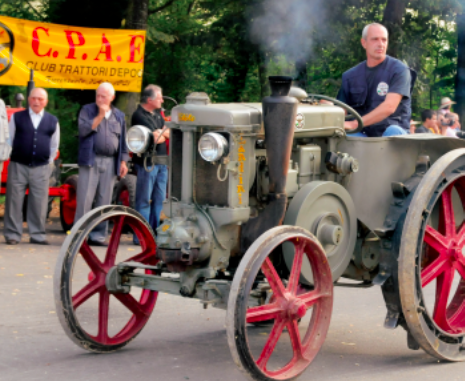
[375, 42]
[38, 99]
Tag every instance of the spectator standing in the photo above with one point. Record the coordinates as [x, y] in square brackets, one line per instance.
[35, 137]
[413, 126]
[445, 106]
[447, 127]
[151, 187]
[5, 144]
[455, 121]
[429, 123]
[379, 88]
[102, 156]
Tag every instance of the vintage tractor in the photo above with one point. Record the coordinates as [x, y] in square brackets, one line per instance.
[270, 205]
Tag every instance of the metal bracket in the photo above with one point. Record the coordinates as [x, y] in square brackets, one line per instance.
[215, 293]
[392, 320]
[381, 278]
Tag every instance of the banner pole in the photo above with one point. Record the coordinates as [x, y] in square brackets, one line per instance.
[31, 83]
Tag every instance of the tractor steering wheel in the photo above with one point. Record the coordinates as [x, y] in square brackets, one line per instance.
[346, 107]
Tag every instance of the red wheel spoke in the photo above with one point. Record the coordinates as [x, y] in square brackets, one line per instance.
[103, 325]
[85, 293]
[456, 309]
[443, 288]
[146, 257]
[263, 313]
[273, 278]
[457, 317]
[296, 266]
[91, 259]
[114, 241]
[295, 340]
[132, 304]
[270, 345]
[460, 267]
[312, 297]
[460, 239]
[436, 240]
[432, 271]
[447, 216]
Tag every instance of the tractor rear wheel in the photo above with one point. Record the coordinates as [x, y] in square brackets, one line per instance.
[432, 260]
[91, 316]
[283, 351]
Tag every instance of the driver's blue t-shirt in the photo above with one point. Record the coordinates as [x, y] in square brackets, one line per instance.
[400, 83]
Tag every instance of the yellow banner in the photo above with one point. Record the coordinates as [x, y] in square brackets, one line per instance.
[70, 57]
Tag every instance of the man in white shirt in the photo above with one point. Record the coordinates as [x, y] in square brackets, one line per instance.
[35, 136]
[5, 148]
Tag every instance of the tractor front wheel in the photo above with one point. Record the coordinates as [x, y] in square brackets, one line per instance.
[92, 317]
[282, 350]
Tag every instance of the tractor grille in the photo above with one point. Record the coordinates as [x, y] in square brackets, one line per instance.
[208, 189]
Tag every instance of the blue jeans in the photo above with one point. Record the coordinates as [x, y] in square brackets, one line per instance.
[390, 131]
[151, 189]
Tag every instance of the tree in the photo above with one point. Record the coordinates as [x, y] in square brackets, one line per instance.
[460, 76]
[136, 18]
[393, 20]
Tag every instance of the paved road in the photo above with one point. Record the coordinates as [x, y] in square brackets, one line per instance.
[182, 341]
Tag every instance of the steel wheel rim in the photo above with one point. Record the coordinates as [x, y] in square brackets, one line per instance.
[289, 306]
[140, 308]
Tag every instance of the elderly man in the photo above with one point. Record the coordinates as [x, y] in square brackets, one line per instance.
[5, 145]
[151, 186]
[35, 136]
[379, 88]
[102, 156]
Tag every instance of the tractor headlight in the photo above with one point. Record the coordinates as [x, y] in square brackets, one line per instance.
[213, 146]
[138, 139]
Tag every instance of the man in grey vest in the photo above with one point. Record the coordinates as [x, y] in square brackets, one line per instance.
[35, 136]
[102, 156]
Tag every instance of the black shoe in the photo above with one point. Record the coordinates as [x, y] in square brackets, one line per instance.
[35, 241]
[12, 242]
[96, 243]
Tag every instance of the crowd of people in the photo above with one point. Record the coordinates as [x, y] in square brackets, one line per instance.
[33, 136]
[379, 89]
[441, 121]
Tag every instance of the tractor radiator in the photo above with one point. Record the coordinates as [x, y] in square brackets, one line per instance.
[208, 190]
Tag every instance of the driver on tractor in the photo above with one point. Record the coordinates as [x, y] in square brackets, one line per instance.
[379, 88]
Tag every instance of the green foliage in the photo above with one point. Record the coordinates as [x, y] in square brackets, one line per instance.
[206, 45]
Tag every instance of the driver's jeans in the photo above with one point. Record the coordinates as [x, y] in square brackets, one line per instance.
[392, 130]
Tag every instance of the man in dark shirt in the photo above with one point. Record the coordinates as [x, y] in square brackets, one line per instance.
[430, 123]
[102, 156]
[378, 88]
[151, 186]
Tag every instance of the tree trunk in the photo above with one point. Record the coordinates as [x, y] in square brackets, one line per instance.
[262, 73]
[302, 75]
[136, 18]
[460, 77]
[392, 19]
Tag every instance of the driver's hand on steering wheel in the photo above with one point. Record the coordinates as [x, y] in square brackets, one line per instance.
[353, 124]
